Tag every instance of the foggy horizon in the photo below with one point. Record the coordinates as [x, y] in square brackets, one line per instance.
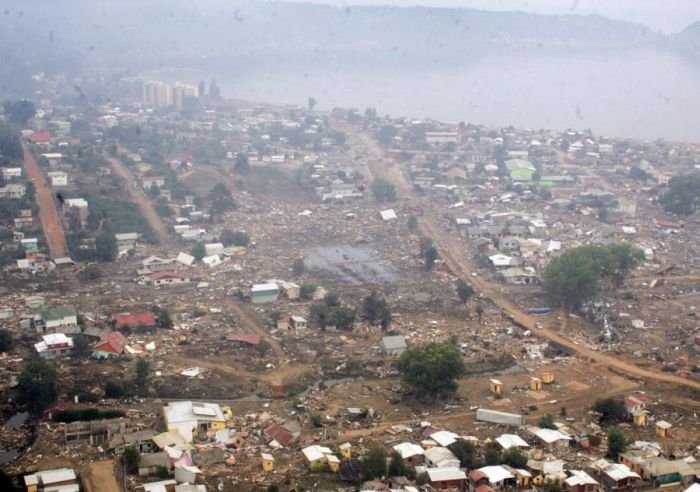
[670, 17]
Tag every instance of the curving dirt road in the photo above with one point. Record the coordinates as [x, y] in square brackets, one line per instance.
[452, 253]
[48, 215]
[137, 196]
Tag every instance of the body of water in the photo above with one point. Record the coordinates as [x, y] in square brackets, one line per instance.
[637, 93]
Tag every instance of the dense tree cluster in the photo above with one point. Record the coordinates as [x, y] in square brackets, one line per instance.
[37, 385]
[683, 195]
[574, 277]
[330, 312]
[10, 146]
[383, 190]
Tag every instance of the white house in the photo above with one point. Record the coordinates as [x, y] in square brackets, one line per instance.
[54, 345]
[58, 178]
[11, 172]
[13, 190]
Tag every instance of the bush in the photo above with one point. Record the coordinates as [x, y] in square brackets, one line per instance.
[298, 267]
[316, 420]
[114, 389]
[547, 421]
[238, 238]
[6, 341]
[307, 291]
[610, 409]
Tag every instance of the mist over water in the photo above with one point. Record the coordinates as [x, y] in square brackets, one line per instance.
[635, 93]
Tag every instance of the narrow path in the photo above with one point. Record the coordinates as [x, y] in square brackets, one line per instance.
[48, 215]
[137, 196]
[453, 254]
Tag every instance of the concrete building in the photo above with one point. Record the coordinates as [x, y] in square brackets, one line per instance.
[58, 178]
[126, 241]
[191, 418]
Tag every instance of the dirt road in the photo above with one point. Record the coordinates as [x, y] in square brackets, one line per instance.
[453, 254]
[276, 376]
[100, 477]
[48, 215]
[137, 196]
[253, 324]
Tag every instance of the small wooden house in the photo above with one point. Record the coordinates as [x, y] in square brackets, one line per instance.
[268, 462]
[496, 387]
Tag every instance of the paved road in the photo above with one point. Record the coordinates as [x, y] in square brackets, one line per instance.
[452, 253]
[48, 215]
[137, 196]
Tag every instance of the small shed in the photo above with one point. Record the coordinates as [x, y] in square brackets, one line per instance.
[262, 293]
[393, 345]
[663, 428]
[268, 462]
[535, 384]
[496, 387]
[345, 450]
[547, 377]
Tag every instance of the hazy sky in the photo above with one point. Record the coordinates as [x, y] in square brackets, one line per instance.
[666, 15]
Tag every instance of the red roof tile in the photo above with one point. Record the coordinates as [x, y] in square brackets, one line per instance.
[132, 320]
[280, 434]
[41, 137]
[113, 343]
[477, 475]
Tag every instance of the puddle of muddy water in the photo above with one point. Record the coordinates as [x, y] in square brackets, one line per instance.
[351, 265]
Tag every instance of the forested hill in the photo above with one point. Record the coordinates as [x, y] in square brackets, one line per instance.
[140, 34]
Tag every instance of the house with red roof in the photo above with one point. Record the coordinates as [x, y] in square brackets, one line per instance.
[41, 138]
[281, 435]
[112, 345]
[134, 320]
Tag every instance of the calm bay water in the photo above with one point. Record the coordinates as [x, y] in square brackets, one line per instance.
[635, 93]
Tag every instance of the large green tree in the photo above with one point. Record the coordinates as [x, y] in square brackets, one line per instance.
[375, 463]
[19, 112]
[37, 385]
[683, 195]
[106, 246]
[574, 277]
[375, 309]
[464, 290]
[617, 442]
[432, 370]
[10, 146]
